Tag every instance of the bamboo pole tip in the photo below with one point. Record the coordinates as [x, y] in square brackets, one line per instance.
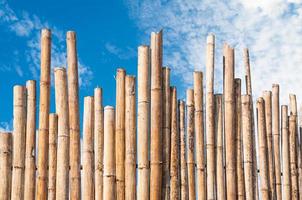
[45, 32]
[30, 82]
[108, 108]
[267, 93]
[53, 115]
[5, 134]
[198, 73]
[71, 35]
[59, 69]
[18, 87]
[190, 97]
[157, 33]
[166, 68]
[143, 46]
[292, 96]
[130, 77]
[211, 38]
[284, 108]
[260, 100]
[238, 80]
[120, 70]
[275, 85]
[98, 89]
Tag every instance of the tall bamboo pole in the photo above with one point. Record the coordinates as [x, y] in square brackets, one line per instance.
[88, 149]
[61, 93]
[120, 134]
[52, 155]
[5, 164]
[41, 190]
[109, 192]
[130, 138]
[156, 116]
[30, 150]
[220, 175]
[143, 126]
[19, 142]
[74, 116]
[98, 142]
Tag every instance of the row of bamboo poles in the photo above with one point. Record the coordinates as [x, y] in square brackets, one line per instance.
[151, 145]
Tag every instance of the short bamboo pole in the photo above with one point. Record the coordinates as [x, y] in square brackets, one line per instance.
[109, 192]
[220, 175]
[74, 116]
[156, 116]
[5, 164]
[143, 126]
[98, 142]
[61, 93]
[263, 161]
[120, 134]
[41, 190]
[52, 156]
[19, 142]
[174, 169]
[88, 149]
[30, 150]
[130, 138]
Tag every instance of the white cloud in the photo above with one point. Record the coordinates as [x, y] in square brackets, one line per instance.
[123, 54]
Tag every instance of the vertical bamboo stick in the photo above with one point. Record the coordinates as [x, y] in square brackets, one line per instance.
[300, 154]
[30, 150]
[5, 164]
[143, 126]
[41, 192]
[19, 142]
[52, 169]
[74, 116]
[130, 138]
[61, 93]
[120, 134]
[220, 175]
[109, 192]
[156, 116]
[88, 148]
[98, 142]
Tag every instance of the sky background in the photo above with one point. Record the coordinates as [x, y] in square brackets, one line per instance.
[109, 32]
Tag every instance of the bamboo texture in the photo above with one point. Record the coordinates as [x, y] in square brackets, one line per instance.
[6, 139]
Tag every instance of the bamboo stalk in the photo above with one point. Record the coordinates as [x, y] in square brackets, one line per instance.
[41, 190]
[5, 164]
[156, 116]
[19, 142]
[143, 126]
[300, 154]
[109, 192]
[130, 138]
[61, 93]
[30, 150]
[88, 149]
[74, 116]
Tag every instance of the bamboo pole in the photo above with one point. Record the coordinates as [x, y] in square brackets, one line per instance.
[19, 142]
[30, 150]
[120, 134]
[74, 116]
[41, 190]
[109, 192]
[52, 156]
[263, 161]
[143, 126]
[220, 175]
[88, 149]
[5, 164]
[61, 93]
[156, 116]
[98, 142]
[300, 154]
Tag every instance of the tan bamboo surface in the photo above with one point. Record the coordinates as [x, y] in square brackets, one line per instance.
[6, 139]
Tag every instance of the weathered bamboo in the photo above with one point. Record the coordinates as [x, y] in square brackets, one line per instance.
[174, 169]
[19, 142]
[247, 146]
[98, 142]
[88, 149]
[61, 93]
[143, 126]
[30, 150]
[166, 133]
[300, 153]
[109, 192]
[74, 116]
[120, 134]
[263, 161]
[41, 190]
[220, 175]
[156, 116]
[52, 156]
[130, 138]
[5, 164]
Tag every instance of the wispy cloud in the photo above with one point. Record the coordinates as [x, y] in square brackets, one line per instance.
[123, 54]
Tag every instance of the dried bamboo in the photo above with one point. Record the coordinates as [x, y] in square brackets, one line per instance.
[5, 164]
[61, 93]
[156, 116]
[143, 126]
[130, 138]
[109, 192]
[41, 190]
[30, 150]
